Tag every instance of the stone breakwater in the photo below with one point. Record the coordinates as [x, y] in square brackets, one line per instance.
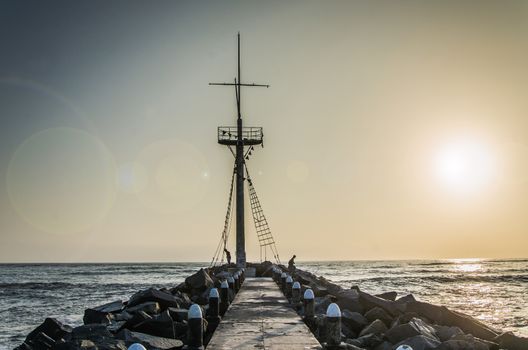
[386, 321]
[158, 319]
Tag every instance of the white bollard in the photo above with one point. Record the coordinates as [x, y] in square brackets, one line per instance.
[333, 325]
[309, 304]
[404, 347]
[195, 324]
[296, 293]
[136, 346]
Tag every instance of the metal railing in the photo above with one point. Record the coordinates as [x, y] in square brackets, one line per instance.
[229, 134]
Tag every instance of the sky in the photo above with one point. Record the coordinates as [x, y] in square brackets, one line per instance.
[393, 129]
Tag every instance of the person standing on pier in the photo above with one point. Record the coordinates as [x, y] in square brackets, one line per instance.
[228, 256]
[291, 264]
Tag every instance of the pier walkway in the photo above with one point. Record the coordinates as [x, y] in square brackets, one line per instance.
[260, 317]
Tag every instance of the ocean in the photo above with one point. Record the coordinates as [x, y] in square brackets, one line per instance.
[494, 291]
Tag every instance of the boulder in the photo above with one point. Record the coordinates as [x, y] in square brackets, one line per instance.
[406, 299]
[349, 299]
[354, 320]
[97, 334]
[445, 333]
[321, 304]
[200, 281]
[150, 307]
[160, 326]
[371, 301]
[93, 316]
[384, 346]
[51, 328]
[376, 327]
[152, 341]
[510, 341]
[378, 313]
[179, 315]
[408, 330]
[469, 325]
[368, 341]
[454, 344]
[442, 315]
[419, 342]
[113, 307]
[164, 299]
[387, 296]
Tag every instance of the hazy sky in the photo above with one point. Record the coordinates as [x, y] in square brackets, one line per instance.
[393, 129]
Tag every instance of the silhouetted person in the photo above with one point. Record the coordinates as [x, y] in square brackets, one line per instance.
[291, 264]
[228, 256]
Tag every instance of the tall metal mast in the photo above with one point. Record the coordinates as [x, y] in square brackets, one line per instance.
[239, 137]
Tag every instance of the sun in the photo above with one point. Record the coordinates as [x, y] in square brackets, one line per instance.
[465, 166]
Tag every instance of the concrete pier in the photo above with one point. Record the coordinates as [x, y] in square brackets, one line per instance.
[260, 317]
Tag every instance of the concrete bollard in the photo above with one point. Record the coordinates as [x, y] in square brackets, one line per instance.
[309, 304]
[136, 346]
[404, 347]
[289, 285]
[236, 284]
[195, 327]
[231, 283]
[214, 303]
[283, 282]
[224, 297]
[333, 325]
[296, 293]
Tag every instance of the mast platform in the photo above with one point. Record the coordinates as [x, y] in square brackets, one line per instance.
[260, 317]
[251, 136]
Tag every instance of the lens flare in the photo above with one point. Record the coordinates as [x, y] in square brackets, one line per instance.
[62, 180]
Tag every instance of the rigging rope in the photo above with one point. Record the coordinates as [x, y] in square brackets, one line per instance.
[220, 249]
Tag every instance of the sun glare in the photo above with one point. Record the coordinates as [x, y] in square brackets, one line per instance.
[465, 166]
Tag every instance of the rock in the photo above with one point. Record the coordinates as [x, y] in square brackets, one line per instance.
[123, 316]
[511, 342]
[388, 296]
[467, 342]
[88, 344]
[113, 307]
[321, 304]
[199, 281]
[406, 299]
[408, 330]
[152, 341]
[160, 326]
[150, 307]
[378, 313]
[420, 342]
[51, 328]
[469, 325]
[96, 333]
[445, 333]
[350, 347]
[371, 301]
[376, 327]
[347, 332]
[349, 299]
[138, 318]
[178, 314]
[384, 346]
[406, 318]
[442, 315]
[164, 300]
[42, 341]
[368, 341]
[354, 320]
[92, 316]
